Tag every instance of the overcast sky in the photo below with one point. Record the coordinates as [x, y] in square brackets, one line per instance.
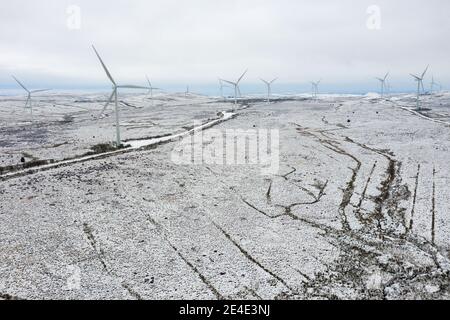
[197, 41]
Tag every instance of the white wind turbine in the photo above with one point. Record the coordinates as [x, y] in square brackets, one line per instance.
[388, 87]
[221, 85]
[150, 89]
[29, 102]
[383, 83]
[433, 84]
[269, 88]
[420, 85]
[236, 86]
[315, 88]
[114, 94]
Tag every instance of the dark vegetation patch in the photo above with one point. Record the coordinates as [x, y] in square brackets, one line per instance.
[67, 119]
[101, 148]
[420, 110]
[95, 150]
[25, 165]
[8, 297]
[150, 138]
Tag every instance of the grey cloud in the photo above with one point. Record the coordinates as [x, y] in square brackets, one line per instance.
[199, 40]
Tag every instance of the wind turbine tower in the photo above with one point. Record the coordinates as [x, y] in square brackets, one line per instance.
[150, 90]
[221, 86]
[433, 84]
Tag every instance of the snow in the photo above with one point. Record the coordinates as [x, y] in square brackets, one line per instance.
[358, 210]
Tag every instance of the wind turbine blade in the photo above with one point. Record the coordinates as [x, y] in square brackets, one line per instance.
[267, 83]
[28, 101]
[20, 84]
[41, 90]
[149, 83]
[104, 67]
[416, 77]
[425, 72]
[243, 75]
[229, 82]
[386, 76]
[273, 80]
[239, 91]
[108, 102]
[133, 87]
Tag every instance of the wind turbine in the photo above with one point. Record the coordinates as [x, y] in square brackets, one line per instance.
[383, 83]
[221, 85]
[433, 83]
[420, 85]
[236, 86]
[269, 88]
[187, 91]
[388, 87]
[315, 88]
[150, 89]
[29, 98]
[114, 94]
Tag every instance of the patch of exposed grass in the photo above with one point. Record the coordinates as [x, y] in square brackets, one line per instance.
[26, 165]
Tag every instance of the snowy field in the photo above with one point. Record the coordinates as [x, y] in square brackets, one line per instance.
[360, 207]
[68, 126]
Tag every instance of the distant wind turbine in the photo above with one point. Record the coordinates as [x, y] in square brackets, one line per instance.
[420, 85]
[383, 83]
[315, 88]
[388, 87]
[29, 102]
[236, 86]
[269, 88]
[433, 84]
[187, 91]
[222, 85]
[114, 95]
[150, 90]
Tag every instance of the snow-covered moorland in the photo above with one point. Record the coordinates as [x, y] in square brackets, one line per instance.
[359, 208]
